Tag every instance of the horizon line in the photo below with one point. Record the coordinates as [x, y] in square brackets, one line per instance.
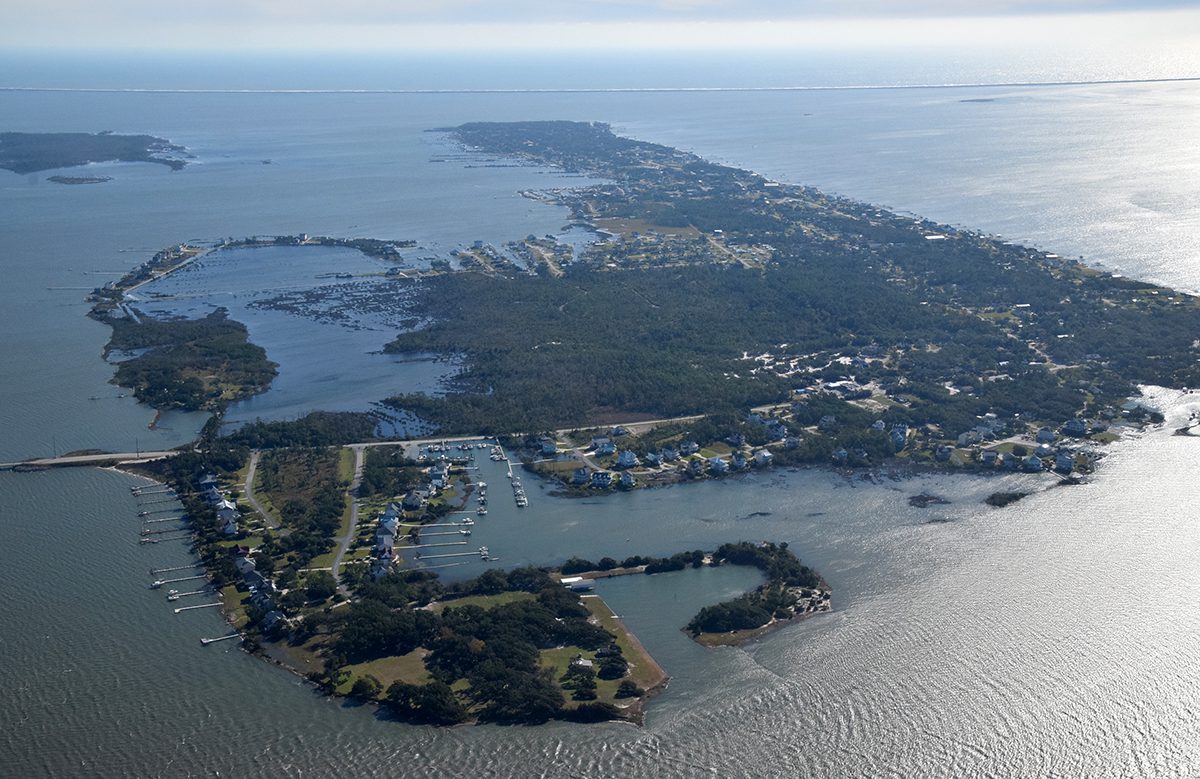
[570, 90]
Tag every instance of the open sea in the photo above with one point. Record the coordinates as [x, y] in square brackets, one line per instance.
[1056, 637]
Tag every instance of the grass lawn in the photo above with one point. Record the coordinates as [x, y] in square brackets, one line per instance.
[485, 601]
[408, 668]
[642, 668]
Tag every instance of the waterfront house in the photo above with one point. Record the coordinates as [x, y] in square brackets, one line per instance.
[695, 467]
[581, 477]
[793, 442]
[549, 449]
[1064, 462]
[1032, 464]
[602, 479]
[763, 458]
[272, 620]
[212, 495]
[206, 481]
[988, 457]
[627, 459]
[942, 454]
[738, 461]
[1075, 427]
[627, 481]
[841, 456]
[385, 539]
[899, 438]
[717, 465]
[413, 501]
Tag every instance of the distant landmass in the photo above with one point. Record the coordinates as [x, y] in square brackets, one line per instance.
[33, 152]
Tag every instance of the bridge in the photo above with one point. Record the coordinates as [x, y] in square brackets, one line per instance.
[107, 458]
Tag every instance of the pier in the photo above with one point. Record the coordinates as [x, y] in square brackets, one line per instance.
[160, 582]
[201, 606]
[179, 518]
[451, 554]
[157, 571]
[177, 595]
[207, 641]
[430, 546]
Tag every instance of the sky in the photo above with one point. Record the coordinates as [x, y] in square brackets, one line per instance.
[511, 25]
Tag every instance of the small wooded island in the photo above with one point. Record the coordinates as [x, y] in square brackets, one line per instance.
[32, 152]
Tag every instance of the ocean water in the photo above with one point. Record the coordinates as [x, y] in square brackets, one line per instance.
[1055, 637]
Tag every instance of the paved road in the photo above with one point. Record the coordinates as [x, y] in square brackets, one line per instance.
[248, 491]
[92, 459]
[359, 458]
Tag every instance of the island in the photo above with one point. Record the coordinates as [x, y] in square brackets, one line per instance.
[33, 152]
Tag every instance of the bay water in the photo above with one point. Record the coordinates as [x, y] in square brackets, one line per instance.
[1054, 637]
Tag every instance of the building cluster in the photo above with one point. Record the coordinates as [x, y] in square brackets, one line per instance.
[227, 511]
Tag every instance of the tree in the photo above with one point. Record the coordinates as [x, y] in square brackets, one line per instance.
[629, 689]
[366, 687]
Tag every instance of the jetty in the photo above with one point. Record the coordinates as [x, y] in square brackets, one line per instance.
[207, 641]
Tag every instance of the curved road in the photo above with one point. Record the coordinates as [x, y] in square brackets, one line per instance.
[248, 491]
[359, 458]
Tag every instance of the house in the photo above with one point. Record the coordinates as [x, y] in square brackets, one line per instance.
[717, 465]
[384, 539]
[606, 448]
[841, 456]
[899, 438]
[776, 430]
[381, 563]
[271, 620]
[989, 457]
[599, 441]
[738, 461]
[1075, 427]
[688, 448]
[1045, 436]
[695, 467]
[618, 431]
[791, 442]
[942, 454]
[670, 454]
[259, 583]
[627, 459]
[737, 439]
[244, 565]
[968, 438]
[206, 481]
[763, 458]
[580, 477]
[627, 481]
[602, 479]
[879, 425]
[212, 495]
[653, 459]
[579, 661]
[1064, 462]
[827, 422]
[1032, 464]
[228, 519]
[1043, 450]
[412, 501]
[549, 449]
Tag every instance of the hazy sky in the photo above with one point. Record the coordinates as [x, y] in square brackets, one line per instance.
[592, 24]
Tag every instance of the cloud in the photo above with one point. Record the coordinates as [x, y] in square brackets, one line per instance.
[567, 24]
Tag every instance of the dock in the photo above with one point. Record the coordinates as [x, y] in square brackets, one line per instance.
[160, 582]
[207, 641]
[201, 606]
[157, 571]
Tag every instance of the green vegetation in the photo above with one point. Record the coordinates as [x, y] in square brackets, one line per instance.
[791, 588]
[936, 333]
[388, 472]
[320, 428]
[31, 152]
[307, 489]
[189, 364]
